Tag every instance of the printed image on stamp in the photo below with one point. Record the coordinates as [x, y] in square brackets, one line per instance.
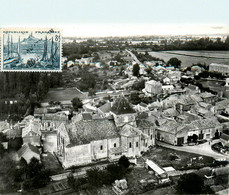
[31, 49]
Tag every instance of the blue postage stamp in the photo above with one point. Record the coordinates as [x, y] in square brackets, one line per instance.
[31, 49]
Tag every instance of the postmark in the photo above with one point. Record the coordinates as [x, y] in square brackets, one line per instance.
[31, 49]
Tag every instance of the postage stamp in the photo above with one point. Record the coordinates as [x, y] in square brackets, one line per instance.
[31, 49]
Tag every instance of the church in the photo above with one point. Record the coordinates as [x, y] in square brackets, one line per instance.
[88, 141]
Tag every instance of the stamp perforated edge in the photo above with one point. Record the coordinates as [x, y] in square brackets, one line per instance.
[30, 29]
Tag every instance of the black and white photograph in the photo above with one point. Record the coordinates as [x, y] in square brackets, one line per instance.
[104, 97]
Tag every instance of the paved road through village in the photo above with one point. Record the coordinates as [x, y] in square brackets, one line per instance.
[201, 149]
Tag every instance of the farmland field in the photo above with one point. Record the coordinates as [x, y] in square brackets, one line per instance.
[61, 94]
[188, 58]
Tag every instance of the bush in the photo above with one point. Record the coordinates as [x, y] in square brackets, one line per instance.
[124, 161]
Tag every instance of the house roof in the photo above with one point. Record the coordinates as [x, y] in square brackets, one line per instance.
[27, 147]
[87, 116]
[106, 107]
[205, 123]
[169, 126]
[129, 131]
[155, 167]
[186, 100]
[4, 125]
[224, 137]
[221, 105]
[55, 117]
[40, 111]
[204, 105]
[170, 112]
[196, 98]
[83, 132]
[144, 124]
[34, 127]
[206, 95]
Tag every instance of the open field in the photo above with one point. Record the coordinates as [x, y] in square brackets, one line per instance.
[62, 94]
[193, 57]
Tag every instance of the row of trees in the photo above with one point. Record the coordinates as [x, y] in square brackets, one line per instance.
[33, 175]
[199, 44]
[97, 177]
[22, 90]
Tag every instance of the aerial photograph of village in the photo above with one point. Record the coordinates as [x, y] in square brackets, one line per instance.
[138, 108]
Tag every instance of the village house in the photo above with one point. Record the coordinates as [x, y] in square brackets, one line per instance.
[176, 133]
[152, 88]
[105, 110]
[208, 97]
[221, 68]
[27, 152]
[141, 107]
[31, 133]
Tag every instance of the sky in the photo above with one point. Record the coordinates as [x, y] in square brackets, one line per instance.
[119, 17]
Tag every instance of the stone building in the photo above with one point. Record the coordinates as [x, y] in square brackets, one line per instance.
[152, 88]
[87, 141]
[220, 68]
[176, 133]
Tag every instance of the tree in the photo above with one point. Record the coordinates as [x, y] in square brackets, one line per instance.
[91, 92]
[2, 150]
[135, 99]
[124, 161]
[174, 62]
[136, 69]
[190, 184]
[76, 103]
[15, 144]
[139, 85]
[94, 178]
[122, 106]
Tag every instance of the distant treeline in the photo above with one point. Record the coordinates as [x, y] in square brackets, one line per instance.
[200, 44]
[20, 91]
[75, 50]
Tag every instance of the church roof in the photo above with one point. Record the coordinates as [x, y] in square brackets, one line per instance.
[83, 132]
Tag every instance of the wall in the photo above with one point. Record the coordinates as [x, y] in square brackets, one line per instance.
[77, 155]
[122, 119]
[97, 152]
[166, 137]
[50, 143]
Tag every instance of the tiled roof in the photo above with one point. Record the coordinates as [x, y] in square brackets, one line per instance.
[34, 127]
[55, 117]
[169, 126]
[206, 95]
[27, 147]
[106, 107]
[204, 105]
[205, 123]
[87, 116]
[4, 125]
[196, 98]
[221, 105]
[170, 112]
[224, 137]
[40, 110]
[129, 131]
[84, 132]
[144, 124]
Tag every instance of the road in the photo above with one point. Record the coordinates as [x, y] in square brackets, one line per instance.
[201, 149]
